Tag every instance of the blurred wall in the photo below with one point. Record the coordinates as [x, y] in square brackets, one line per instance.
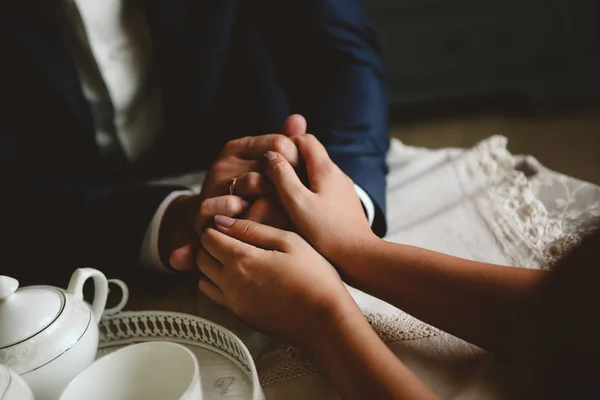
[538, 55]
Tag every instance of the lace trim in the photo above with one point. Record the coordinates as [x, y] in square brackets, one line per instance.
[558, 249]
[289, 363]
[285, 364]
[574, 203]
[400, 326]
[506, 201]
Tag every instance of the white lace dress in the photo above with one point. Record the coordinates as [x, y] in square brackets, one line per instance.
[482, 204]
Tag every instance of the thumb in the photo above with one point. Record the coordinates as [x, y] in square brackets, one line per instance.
[250, 232]
[318, 164]
[182, 259]
[295, 124]
[283, 176]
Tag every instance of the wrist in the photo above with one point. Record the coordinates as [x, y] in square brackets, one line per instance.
[177, 225]
[353, 252]
[337, 320]
[363, 257]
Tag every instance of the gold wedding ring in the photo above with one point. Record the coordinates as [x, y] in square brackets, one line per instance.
[232, 186]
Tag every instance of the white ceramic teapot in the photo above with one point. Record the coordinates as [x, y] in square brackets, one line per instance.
[48, 335]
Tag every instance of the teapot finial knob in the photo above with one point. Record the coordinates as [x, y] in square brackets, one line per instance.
[8, 286]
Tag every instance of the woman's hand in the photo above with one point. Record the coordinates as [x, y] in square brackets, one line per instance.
[274, 281]
[328, 214]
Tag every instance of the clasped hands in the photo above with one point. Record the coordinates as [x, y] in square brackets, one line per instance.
[279, 282]
[242, 159]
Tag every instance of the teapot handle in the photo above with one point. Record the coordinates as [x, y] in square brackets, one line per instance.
[100, 288]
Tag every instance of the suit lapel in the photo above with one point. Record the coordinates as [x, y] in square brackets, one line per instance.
[190, 43]
[34, 26]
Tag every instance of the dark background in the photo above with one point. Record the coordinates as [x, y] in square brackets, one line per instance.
[462, 70]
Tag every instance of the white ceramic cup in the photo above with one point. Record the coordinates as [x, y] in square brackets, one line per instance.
[12, 386]
[151, 370]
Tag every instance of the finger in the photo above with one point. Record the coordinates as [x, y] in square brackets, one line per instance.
[211, 291]
[223, 248]
[259, 235]
[289, 187]
[226, 168]
[317, 161]
[268, 212]
[222, 205]
[295, 124]
[182, 259]
[210, 267]
[253, 184]
[254, 147]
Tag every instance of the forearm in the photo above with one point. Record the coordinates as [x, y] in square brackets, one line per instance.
[362, 366]
[73, 224]
[478, 302]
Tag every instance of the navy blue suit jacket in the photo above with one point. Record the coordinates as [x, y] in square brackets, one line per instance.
[227, 68]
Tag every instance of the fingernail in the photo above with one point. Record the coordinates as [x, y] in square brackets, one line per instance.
[245, 204]
[222, 220]
[270, 155]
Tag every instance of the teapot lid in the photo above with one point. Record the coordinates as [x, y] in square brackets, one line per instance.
[25, 312]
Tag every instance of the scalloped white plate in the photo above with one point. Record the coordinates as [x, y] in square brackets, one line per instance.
[226, 367]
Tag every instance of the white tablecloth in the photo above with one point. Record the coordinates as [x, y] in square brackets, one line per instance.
[482, 204]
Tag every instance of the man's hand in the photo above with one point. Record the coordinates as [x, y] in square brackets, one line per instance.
[185, 220]
[242, 159]
[267, 210]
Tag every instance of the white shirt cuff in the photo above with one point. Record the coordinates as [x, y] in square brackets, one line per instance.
[149, 254]
[367, 203]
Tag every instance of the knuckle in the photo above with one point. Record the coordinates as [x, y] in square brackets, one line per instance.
[293, 236]
[253, 180]
[279, 143]
[220, 166]
[306, 139]
[288, 240]
[284, 146]
[248, 229]
[230, 205]
[206, 208]
[232, 146]
[288, 237]
[280, 166]
[240, 263]
[309, 137]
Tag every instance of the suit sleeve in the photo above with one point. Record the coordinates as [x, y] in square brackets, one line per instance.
[330, 67]
[53, 225]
